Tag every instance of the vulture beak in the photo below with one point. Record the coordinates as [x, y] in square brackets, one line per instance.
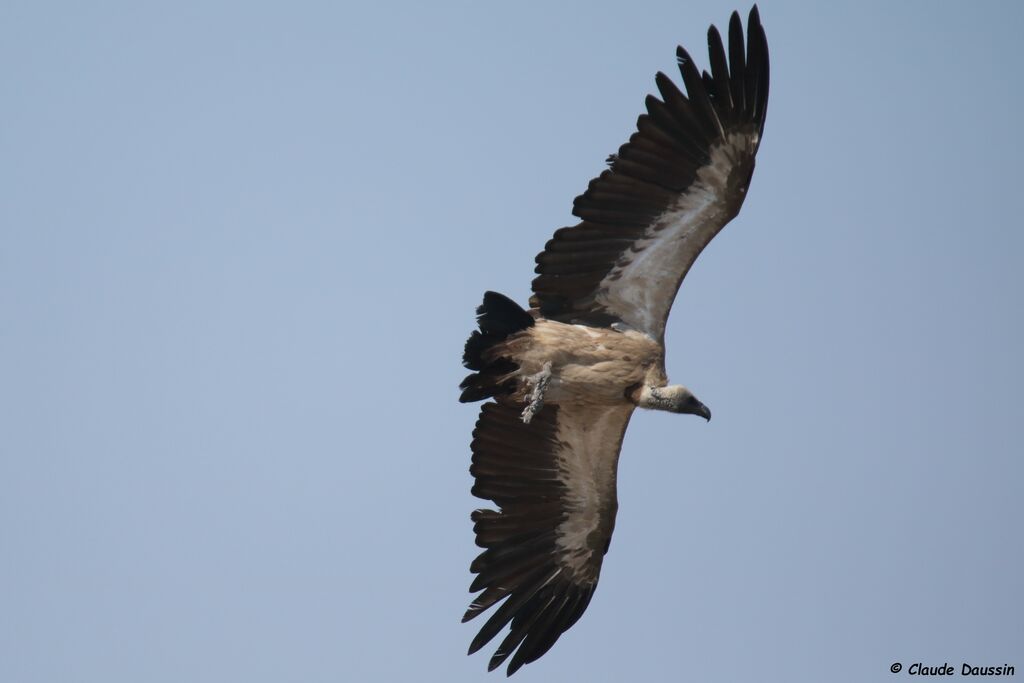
[691, 406]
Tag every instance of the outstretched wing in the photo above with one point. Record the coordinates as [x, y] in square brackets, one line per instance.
[554, 482]
[681, 177]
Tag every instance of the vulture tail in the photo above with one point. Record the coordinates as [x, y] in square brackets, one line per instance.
[499, 318]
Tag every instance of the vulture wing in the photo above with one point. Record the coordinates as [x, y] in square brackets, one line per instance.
[554, 482]
[681, 177]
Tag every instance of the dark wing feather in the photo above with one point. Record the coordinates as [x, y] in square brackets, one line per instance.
[554, 482]
[681, 177]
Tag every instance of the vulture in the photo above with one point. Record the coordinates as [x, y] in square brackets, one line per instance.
[566, 374]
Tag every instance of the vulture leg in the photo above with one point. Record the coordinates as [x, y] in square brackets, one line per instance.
[540, 384]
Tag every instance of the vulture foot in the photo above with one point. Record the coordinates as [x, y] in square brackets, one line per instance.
[540, 384]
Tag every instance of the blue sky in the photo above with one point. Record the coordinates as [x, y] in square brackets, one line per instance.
[240, 248]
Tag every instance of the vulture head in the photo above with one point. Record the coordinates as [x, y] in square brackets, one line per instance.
[675, 399]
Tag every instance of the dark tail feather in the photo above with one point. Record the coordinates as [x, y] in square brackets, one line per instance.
[484, 384]
[498, 317]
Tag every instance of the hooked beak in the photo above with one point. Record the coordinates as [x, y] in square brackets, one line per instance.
[694, 407]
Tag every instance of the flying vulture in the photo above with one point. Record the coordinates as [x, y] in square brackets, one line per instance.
[566, 375]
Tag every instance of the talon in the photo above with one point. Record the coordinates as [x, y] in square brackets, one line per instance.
[540, 385]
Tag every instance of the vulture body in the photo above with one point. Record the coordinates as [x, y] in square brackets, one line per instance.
[567, 374]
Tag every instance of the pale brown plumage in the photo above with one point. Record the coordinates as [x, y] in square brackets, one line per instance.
[567, 375]
[594, 363]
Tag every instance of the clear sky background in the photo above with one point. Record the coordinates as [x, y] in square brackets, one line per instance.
[240, 249]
